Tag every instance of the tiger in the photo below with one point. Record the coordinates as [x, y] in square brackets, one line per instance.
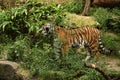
[89, 37]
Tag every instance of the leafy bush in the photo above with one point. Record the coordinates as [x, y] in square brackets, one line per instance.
[17, 50]
[21, 24]
[74, 6]
[29, 17]
[26, 20]
[38, 58]
[111, 41]
[41, 63]
[107, 18]
[113, 24]
[102, 15]
[116, 11]
[5, 39]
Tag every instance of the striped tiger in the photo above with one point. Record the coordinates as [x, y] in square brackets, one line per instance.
[89, 37]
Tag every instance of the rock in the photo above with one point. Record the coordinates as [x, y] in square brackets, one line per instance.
[106, 3]
[8, 70]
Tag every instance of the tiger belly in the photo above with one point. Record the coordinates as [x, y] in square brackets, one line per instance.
[76, 42]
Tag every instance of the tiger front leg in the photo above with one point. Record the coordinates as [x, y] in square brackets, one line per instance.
[65, 48]
[57, 49]
[88, 55]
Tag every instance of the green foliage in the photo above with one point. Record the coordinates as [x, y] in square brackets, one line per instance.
[15, 50]
[107, 18]
[114, 24]
[39, 58]
[40, 62]
[27, 20]
[101, 17]
[5, 39]
[112, 41]
[29, 17]
[116, 11]
[74, 6]
[18, 49]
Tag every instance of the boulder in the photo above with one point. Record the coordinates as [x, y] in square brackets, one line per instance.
[8, 70]
[107, 3]
[74, 21]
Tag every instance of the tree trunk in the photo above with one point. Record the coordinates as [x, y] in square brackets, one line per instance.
[7, 3]
[87, 7]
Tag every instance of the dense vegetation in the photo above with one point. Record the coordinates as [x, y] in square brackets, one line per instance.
[21, 39]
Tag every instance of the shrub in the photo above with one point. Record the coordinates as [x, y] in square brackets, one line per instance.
[113, 24]
[28, 18]
[18, 49]
[111, 41]
[41, 63]
[102, 15]
[74, 6]
[116, 11]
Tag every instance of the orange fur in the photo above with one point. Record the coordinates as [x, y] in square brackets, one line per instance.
[86, 33]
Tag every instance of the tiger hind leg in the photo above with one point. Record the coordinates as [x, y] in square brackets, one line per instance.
[88, 56]
[88, 52]
[95, 51]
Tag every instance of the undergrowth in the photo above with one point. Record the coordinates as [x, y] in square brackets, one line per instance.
[74, 6]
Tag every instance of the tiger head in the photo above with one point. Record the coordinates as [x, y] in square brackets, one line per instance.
[47, 29]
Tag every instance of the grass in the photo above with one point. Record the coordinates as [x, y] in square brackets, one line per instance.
[111, 41]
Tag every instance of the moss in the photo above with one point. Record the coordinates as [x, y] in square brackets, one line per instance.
[79, 21]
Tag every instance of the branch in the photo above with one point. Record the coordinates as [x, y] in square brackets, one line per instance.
[93, 66]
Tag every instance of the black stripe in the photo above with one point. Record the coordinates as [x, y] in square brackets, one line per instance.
[77, 35]
[81, 36]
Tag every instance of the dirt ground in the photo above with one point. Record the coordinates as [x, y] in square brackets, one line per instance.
[112, 63]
